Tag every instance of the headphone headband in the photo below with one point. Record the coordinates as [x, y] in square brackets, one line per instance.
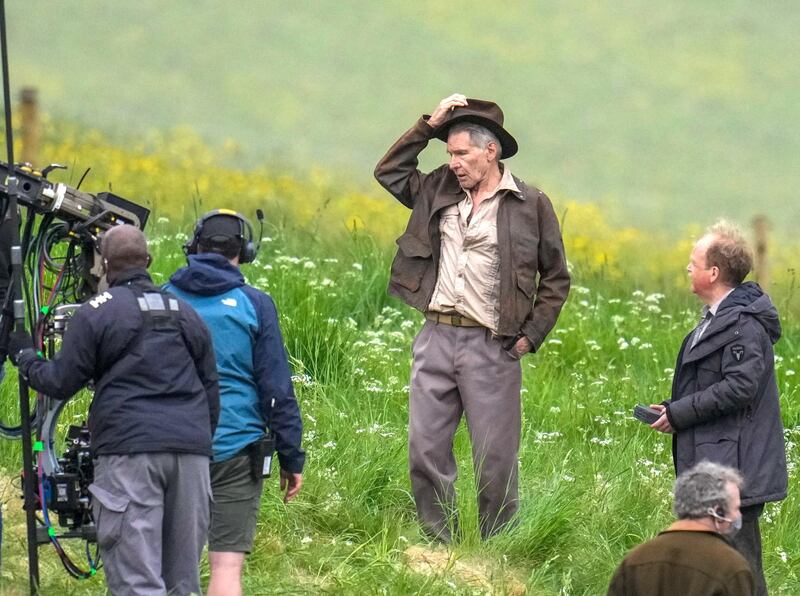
[248, 250]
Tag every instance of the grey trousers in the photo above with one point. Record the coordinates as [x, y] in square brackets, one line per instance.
[748, 542]
[463, 370]
[152, 516]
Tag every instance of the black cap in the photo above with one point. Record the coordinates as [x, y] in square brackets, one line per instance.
[221, 228]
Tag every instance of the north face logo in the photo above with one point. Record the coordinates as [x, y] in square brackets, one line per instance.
[738, 352]
[229, 301]
[100, 299]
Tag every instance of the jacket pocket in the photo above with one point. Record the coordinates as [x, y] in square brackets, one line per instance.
[109, 514]
[718, 441]
[526, 283]
[709, 371]
[522, 298]
[411, 261]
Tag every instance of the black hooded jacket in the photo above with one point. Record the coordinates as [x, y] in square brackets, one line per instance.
[725, 404]
[156, 385]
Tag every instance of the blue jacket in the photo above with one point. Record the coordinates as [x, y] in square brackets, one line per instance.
[254, 375]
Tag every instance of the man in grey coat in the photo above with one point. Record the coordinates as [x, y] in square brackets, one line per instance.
[725, 404]
[482, 257]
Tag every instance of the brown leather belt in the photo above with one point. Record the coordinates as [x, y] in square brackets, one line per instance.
[454, 320]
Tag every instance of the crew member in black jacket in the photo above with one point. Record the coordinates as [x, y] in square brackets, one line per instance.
[154, 411]
[725, 405]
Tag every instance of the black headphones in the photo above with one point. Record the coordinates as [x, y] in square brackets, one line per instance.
[248, 250]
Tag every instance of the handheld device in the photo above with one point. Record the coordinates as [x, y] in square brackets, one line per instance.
[646, 414]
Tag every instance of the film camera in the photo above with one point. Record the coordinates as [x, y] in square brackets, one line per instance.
[66, 489]
[59, 251]
[68, 216]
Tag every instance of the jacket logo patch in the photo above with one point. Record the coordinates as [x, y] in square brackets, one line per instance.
[229, 301]
[738, 352]
[100, 299]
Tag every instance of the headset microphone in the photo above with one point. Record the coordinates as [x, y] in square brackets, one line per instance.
[260, 218]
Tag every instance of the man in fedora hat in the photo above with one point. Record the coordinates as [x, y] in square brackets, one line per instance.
[482, 257]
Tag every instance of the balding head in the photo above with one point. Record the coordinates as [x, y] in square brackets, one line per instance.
[124, 247]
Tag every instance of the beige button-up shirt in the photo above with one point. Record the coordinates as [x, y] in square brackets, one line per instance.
[468, 270]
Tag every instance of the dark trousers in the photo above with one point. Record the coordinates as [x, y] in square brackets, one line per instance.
[748, 542]
[461, 371]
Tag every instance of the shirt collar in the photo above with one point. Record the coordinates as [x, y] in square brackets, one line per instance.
[506, 183]
[713, 308]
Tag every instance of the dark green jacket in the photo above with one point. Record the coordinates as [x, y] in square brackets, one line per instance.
[683, 563]
[534, 281]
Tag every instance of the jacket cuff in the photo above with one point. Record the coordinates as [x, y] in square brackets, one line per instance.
[422, 127]
[530, 331]
[293, 465]
[671, 419]
[25, 359]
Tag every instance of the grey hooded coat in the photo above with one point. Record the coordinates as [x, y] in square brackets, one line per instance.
[725, 404]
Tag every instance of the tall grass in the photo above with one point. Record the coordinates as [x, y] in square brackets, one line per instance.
[594, 482]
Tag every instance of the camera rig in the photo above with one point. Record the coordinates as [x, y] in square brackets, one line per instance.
[58, 268]
[49, 234]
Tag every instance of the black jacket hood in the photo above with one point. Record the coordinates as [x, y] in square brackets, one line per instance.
[749, 299]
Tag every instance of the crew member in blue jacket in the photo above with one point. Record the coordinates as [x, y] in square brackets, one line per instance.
[256, 392]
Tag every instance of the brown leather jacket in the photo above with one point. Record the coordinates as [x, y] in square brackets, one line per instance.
[528, 237]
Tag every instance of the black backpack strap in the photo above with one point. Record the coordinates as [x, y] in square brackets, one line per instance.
[160, 310]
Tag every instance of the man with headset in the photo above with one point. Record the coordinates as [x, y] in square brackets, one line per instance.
[256, 390]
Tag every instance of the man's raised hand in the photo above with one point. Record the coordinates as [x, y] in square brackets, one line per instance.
[446, 105]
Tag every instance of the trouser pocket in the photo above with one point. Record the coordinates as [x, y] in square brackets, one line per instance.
[109, 515]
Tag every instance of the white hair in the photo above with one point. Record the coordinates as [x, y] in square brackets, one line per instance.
[479, 136]
[704, 487]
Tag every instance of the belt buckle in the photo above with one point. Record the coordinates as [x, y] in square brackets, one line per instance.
[456, 320]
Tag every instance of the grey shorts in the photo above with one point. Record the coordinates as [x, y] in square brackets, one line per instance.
[234, 510]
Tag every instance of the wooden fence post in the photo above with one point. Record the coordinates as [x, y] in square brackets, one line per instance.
[760, 264]
[29, 109]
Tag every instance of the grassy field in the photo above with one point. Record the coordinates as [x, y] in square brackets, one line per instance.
[594, 482]
[665, 113]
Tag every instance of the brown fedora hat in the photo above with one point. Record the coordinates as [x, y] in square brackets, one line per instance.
[485, 113]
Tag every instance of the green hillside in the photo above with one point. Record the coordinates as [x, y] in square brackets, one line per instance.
[665, 113]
